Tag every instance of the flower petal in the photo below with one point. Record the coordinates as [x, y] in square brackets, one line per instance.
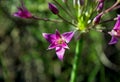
[22, 12]
[67, 36]
[117, 25]
[112, 33]
[49, 37]
[60, 52]
[64, 45]
[114, 40]
[57, 34]
[16, 14]
[52, 46]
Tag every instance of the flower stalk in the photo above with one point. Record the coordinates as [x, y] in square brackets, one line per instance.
[66, 20]
[63, 8]
[47, 19]
[76, 61]
[111, 8]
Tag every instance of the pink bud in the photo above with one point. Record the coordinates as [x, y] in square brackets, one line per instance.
[96, 20]
[53, 8]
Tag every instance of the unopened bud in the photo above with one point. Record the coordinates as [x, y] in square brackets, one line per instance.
[96, 20]
[101, 1]
[53, 8]
[81, 2]
[100, 6]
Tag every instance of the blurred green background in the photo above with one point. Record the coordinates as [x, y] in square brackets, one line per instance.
[23, 51]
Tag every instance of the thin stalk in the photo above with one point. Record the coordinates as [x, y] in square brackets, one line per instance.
[112, 19]
[117, 7]
[76, 60]
[66, 20]
[22, 3]
[46, 19]
[63, 8]
[111, 8]
[68, 7]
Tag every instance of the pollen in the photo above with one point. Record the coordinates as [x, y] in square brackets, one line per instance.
[60, 41]
[118, 33]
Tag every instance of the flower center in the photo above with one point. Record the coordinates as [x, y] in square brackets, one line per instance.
[115, 33]
[118, 33]
[60, 41]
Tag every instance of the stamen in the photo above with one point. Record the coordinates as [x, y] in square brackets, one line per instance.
[60, 41]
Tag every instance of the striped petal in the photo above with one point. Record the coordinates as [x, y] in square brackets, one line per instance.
[114, 40]
[60, 52]
[68, 36]
[49, 37]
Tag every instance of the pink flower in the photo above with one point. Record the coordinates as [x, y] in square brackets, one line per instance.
[115, 33]
[22, 12]
[59, 42]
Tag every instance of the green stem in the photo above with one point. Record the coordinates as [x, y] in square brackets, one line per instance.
[66, 20]
[63, 8]
[47, 19]
[109, 20]
[70, 10]
[76, 60]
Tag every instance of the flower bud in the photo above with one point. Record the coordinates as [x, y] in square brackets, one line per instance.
[100, 6]
[53, 8]
[81, 2]
[96, 20]
[101, 1]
